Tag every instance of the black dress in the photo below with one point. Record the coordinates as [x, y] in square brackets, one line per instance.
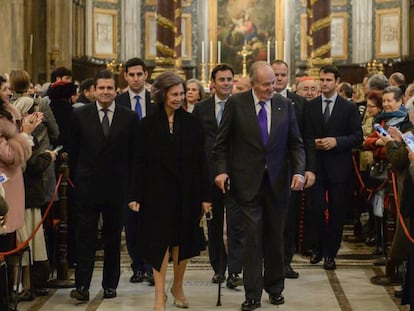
[170, 181]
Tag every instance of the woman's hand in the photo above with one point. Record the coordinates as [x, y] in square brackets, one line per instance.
[134, 206]
[206, 207]
[31, 121]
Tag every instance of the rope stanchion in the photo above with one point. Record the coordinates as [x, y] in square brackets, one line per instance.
[403, 224]
[24, 244]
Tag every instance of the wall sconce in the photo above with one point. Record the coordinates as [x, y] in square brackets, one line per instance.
[114, 67]
[53, 55]
[373, 67]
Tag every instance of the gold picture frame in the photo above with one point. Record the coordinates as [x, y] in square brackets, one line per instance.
[105, 33]
[151, 39]
[339, 35]
[183, 2]
[303, 38]
[388, 33]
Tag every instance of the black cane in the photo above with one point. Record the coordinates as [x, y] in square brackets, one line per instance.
[218, 304]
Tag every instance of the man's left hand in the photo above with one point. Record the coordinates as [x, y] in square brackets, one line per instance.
[297, 183]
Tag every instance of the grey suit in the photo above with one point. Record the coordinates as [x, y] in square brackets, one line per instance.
[260, 181]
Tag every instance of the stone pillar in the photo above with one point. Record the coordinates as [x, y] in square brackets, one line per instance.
[130, 35]
[362, 31]
[12, 40]
[166, 36]
[319, 35]
[59, 34]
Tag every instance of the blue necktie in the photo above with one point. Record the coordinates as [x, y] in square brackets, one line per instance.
[326, 113]
[105, 122]
[262, 118]
[138, 106]
[220, 113]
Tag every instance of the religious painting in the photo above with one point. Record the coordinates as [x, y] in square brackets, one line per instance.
[388, 33]
[339, 35]
[245, 23]
[105, 33]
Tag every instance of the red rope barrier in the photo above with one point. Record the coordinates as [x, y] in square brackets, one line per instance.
[404, 226]
[23, 244]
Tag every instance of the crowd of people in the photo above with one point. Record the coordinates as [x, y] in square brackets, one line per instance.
[159, 160]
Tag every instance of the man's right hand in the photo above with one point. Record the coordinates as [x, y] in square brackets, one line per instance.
[134, 206]
[220, 181]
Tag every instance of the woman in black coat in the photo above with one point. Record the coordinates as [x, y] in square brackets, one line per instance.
[170, 187]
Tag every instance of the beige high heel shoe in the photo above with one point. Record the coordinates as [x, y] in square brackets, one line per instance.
[162, 308]
[178, 302]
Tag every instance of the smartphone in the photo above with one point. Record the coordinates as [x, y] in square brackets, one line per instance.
[380, 129]
[409, 140]
[58, 148]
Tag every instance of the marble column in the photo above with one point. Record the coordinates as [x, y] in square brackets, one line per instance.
[362, 42]
[130, 29]
[166, 34]
[319, 30]
[59, 34]
[12, 40]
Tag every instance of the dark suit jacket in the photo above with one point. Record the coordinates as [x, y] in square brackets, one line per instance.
[299, 105]
[124, 100]
[100, 166]
[205, 111]
[344, 124]
[239, 134]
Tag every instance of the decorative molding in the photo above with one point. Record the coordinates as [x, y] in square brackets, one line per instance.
[388, 33]
[105, 33]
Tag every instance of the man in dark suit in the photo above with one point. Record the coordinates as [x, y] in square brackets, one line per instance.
[210, 111]
[281, 70]
[101, 151]
[257, 141]
[138, 99]
[333, 125]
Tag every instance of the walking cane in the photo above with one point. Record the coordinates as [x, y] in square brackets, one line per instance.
[218, 304]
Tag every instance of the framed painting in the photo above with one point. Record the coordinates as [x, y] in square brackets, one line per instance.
[151, 39]
[183, 2]
[105, 33]
[388, 33]
[339, 35]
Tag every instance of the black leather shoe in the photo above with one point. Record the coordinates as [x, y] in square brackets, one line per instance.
[149, 277]
[109, 293]
[218, 278]
[315, 258]
[250, 304]
[41, 291]
[137, 277]
[234, 280]
[81, 294]
[398, 293]
[329, 264]
[290, 273]
[276, 299]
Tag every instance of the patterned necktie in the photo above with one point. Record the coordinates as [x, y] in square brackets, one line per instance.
[326, 113]
[262, 118]
[138, 106]
[220, 113]
[105, 122]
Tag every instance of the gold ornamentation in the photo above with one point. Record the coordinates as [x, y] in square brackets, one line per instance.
[322, 50]
[321, 23]
[166, 23]
[178, 13]
[164, 49]
[178, 40]
[165, 61]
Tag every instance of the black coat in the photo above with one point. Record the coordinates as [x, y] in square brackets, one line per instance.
[171, 182]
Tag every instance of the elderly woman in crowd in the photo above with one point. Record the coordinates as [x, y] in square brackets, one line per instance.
[170, 186]
[194, 93]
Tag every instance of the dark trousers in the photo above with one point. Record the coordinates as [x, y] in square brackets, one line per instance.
[132, 223]
[235, 245]
[216, 250]
[263, 220]
[87, 226]
[292, 224]
[327, 235]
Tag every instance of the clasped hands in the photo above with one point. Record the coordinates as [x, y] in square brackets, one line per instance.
[326, 143]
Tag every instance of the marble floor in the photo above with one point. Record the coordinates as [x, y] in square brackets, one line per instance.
[347, 288]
